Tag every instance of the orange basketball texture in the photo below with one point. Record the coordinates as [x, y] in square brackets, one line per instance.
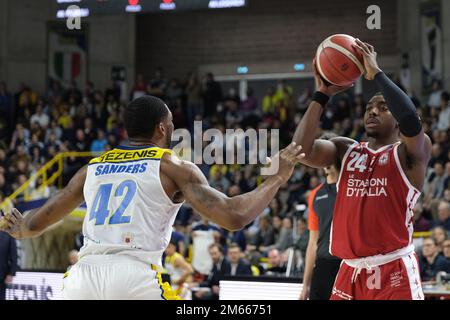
[338, 62]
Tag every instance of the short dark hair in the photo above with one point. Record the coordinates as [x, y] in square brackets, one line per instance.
[142, 115]
[445, 96]
[234, 245]
[216, 245]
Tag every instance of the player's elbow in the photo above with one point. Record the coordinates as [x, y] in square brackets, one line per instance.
[236, 222]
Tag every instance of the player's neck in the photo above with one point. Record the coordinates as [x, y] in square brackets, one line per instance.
[145, 142]
[377, 143]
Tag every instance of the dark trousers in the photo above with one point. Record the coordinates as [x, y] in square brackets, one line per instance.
[325, 271]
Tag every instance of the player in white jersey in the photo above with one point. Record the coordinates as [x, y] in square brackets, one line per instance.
[132, 195]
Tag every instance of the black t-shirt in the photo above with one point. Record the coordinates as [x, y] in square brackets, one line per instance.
[322, 207]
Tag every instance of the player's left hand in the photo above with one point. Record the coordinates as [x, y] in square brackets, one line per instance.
[11, 223]
[370, 59]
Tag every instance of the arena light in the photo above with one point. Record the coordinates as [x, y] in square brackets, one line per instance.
[242, 69]
[299, 66]
[216, 4]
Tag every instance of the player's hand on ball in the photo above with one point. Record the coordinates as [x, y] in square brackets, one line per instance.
[325, 87]
[370, 59]
[11, 222]
[287, 158]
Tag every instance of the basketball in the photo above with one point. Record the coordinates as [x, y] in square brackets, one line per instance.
[338, 62]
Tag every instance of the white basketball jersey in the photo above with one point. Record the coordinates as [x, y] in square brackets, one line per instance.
[128, 211]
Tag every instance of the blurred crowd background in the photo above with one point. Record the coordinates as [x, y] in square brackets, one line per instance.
[35, 126]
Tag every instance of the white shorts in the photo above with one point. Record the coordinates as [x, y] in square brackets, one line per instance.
[114, 277]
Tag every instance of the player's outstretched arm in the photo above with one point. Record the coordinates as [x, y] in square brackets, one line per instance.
[416, 144]
[54, 210]
[319, 153]
[232, 213]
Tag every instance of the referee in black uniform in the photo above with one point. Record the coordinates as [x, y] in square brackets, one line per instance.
[321, 268]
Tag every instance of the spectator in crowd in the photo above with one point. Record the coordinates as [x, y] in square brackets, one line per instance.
[269, 101]
[221, 267]
[440, 235]
[157, 86]
[264, 237]
[99, 144]
[285, 239]
[434, 100]
[194, 98]
[444, 114]
[276, 266]
[212, 94]
[8, 262]
[443, 215]
[177, 267]
[139, 88]
[446, 250]
[239, 267]
[431, 262]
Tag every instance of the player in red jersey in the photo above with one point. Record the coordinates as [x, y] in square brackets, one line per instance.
[377, 189]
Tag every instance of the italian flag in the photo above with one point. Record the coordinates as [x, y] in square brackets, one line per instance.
[67, 65]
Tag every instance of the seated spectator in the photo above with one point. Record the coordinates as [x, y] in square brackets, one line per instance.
[285, 240]
[434, 99]
[276, 267]
[431, 262]
[269, 101]
[446, 250]
[98, 145]
[221, 267]
[443, 215]
[239, 267]
[179, 270]
[264, 237]
[440, 235]
[444, 115]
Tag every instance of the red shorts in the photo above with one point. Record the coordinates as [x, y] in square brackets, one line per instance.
[396, 280]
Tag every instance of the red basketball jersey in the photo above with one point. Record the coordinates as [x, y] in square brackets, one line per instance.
[373, 211]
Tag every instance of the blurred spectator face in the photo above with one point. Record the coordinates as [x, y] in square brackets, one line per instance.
[263, 222]
[270, 91]
[274, 258]
[439, 234]
[447, 168]
[80, 135]
[21, 166]
[276, 221]
[447, 195]
[435, 86]
[171, 249]
[429, 248]
[287, 223]
[438, 169]
[22, 179]
[215, 254]
[446, 248]
[234, 254]
[88, 123]
[2, 155]
[443, 210]
[436, 150]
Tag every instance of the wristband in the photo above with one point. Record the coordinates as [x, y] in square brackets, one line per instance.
[321, 98]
